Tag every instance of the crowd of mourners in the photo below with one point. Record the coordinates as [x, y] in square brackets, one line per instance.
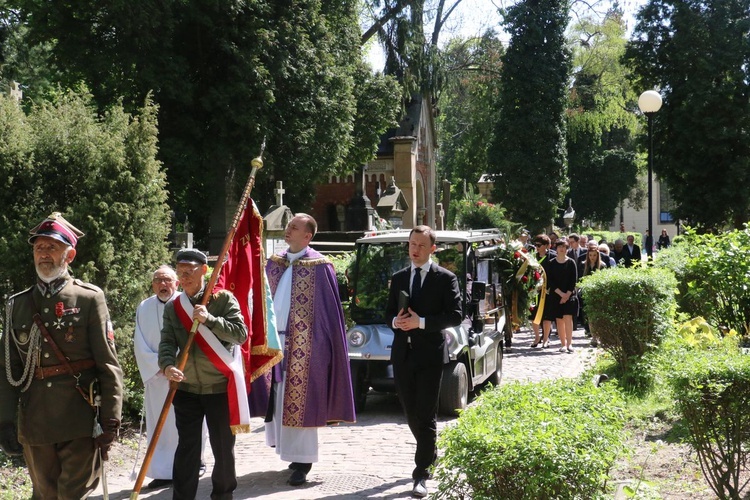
[565, 261]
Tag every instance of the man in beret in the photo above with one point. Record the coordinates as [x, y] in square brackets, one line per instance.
[57, 356]
[211, 385]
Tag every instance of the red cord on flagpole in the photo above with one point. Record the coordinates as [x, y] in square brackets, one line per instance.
[256, 164]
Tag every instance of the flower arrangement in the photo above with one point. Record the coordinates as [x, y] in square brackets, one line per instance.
[475, 213]
[523, 280]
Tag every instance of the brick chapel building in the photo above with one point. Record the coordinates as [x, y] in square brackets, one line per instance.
[406, 157]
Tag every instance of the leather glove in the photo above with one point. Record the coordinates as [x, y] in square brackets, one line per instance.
[9, 439]
[110, 428]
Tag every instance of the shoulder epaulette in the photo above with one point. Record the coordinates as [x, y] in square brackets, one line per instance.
[88, 286]
[28, 290]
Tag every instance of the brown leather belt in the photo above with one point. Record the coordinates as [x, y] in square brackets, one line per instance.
[78, 366]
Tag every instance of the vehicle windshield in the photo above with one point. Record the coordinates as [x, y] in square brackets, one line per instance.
[376, 263]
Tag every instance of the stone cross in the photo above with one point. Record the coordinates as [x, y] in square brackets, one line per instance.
[279, 193]
[15, 91]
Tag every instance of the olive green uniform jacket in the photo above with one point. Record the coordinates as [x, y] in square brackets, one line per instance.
[224, 320]
[51, 410]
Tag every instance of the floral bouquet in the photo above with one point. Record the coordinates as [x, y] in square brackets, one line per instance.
[523, 280]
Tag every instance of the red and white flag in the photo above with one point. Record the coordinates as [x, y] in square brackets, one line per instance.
[243, 274]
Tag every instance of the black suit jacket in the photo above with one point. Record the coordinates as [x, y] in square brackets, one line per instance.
[631, 258]
[439, 303]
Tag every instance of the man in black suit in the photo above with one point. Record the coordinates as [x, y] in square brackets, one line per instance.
[632, 252]
[418, 352]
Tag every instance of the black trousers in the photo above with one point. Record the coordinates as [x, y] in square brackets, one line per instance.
[189, 411]
[418, 386]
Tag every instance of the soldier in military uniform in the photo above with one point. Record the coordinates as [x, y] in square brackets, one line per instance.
[57, 342]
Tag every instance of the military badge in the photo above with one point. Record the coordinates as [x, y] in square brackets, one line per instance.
[69, 337]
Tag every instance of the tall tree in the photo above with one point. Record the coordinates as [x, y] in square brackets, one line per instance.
[527, 157]
[602, 161]
[225, 75]
[473, 69]
[697, 53]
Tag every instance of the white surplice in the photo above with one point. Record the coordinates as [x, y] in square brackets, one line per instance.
[148, 323]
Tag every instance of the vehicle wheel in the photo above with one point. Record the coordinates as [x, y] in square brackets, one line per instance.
[497, 375]
[454, 390]
[360, 386]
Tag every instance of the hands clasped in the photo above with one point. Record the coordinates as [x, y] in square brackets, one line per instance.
[407, 320]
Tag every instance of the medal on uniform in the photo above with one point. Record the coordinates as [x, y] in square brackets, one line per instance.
[59, 310]
[69, 337]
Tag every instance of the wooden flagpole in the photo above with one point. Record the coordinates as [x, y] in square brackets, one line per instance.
[257, 164]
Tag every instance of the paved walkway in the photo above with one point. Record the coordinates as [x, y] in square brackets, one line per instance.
[370, 459]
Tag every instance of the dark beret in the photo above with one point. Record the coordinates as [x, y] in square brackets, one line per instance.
[191, 255]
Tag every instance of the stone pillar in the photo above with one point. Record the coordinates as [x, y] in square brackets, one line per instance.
[359, 212]
[405, 173]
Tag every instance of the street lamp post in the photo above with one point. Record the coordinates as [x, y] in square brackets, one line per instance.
[649, 103]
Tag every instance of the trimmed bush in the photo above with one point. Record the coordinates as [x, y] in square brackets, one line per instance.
[710, 380]
[630, 310]
[529, 441]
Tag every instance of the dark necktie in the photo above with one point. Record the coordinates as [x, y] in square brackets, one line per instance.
[416, 284]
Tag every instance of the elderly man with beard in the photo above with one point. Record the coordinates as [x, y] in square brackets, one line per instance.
[57, 356]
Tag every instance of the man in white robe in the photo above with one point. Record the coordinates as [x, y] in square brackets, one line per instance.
[148, 324]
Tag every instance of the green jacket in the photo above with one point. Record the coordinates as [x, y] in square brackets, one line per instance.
[51, 410]
[224, 320]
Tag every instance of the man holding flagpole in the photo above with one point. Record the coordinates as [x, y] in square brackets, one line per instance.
[312, 385]
[212, 385]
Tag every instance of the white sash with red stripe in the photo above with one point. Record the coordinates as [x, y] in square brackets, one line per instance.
[229, 364]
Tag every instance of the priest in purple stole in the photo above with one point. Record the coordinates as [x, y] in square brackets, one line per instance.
[312, 385]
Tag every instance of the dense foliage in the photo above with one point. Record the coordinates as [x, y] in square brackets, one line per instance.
[630, 310]
[713, 272]
[475, 213]
[527, 156]
[696, 52]
[600, 124]
[528, 441]
[466, 109]
[101, 172]
[225, 76]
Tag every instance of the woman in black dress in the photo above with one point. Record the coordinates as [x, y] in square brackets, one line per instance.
[562, 275]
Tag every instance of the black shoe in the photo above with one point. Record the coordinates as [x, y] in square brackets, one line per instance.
[298, 478]
[158, 483]
[300, 466]
[420, 489]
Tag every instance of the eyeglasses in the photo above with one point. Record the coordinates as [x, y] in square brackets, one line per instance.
[187, 272]
[162, 280]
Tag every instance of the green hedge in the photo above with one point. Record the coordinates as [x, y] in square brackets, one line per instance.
[612, 236]
[710, 379]
[629, 310]
[528, 441]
